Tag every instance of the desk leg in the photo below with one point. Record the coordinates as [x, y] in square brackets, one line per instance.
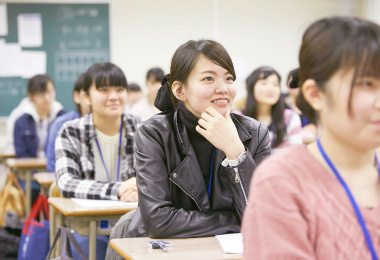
[42, 193]
[28, 203]
[92, 246]
[59, 223]
[52, 224]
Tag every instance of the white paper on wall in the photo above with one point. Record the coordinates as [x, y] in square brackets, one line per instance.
[10, 60]
[32, 63]
[3, 20]
[29, 29]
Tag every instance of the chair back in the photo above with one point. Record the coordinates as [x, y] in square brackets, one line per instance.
[53, 190]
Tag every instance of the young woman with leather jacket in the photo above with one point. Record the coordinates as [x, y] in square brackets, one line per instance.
[195, 160]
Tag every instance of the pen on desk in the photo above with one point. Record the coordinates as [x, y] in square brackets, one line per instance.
[162, 246]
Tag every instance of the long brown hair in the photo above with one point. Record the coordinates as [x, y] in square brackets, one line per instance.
[277, 111]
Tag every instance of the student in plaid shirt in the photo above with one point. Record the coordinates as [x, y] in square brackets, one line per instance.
[94, 154]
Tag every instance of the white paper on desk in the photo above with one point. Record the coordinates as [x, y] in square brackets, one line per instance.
[231, 243]
[32, 63]
[102, 203]
[29, 29]
[10, 60]
[3, 20]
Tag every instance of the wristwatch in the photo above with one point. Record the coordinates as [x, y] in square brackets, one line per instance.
[236, 162]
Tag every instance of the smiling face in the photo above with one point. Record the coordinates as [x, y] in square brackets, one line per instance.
[108, 102]
[267, 91]
[358, 125]
[208, 85]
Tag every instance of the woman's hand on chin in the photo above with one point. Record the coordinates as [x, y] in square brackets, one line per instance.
[221, 132]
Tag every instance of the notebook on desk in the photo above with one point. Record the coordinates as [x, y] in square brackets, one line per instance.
[101, 203]
[231, 243]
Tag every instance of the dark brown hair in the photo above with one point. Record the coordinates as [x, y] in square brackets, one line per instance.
[104, 74]
[78, 86]
[38, 84]
[335, 43]
[155, 74]
[186, 56]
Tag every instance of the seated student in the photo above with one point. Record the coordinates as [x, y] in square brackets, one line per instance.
[145, 107]
[264, 103]
[195, 160]
[11, 120]
[94, 153]
[309, 129]
[81, 109]
[322, 201]
[134, 95]
[31, 129]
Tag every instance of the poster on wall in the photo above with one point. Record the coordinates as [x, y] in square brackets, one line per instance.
[29, 28]
[3, 20]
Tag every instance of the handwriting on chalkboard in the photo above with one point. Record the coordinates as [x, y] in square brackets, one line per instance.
[80, 44]
[81, 29]
[11, 87]
[67, 13]
[70, 64]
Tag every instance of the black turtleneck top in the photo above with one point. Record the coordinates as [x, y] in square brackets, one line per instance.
[202, 147]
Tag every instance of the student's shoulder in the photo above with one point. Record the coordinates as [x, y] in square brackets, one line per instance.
[80, 124]
[290, 114]
[66, 117]
[132, 119]
[23, 119]
[293, 163]
[160, 122]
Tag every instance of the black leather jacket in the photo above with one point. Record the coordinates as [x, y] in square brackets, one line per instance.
[173, 199]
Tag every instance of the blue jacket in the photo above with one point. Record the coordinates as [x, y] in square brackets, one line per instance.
[54, 129]
[25, 132]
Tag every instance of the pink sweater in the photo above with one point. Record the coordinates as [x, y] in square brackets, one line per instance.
[298, 210]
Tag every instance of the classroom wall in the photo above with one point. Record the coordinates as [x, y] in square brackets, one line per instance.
[145, 33]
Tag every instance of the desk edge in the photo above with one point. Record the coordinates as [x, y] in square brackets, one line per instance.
[119, 251]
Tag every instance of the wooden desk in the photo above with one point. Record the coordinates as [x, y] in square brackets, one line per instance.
[184, 248]
[85, 221]
[23, 168]
[5, 155]
[45, 179]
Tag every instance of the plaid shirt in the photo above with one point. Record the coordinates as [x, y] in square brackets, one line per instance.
[75, 168]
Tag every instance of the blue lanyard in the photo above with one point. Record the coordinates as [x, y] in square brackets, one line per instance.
[210, 180]
[353, 202]
[119, 152]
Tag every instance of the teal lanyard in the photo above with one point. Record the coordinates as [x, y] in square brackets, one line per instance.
[351, 197]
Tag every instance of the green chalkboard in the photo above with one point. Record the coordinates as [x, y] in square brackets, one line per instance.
[74, 37]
